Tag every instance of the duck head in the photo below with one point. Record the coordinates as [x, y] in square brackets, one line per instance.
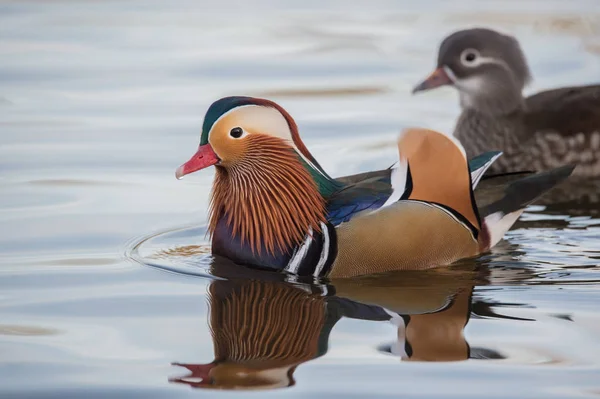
[487, 68]
[269, 190]
[227, 126]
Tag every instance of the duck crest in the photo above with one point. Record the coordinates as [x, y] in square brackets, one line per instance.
[270, 201]
[223, 106]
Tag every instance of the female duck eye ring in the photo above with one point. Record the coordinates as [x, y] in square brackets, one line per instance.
[469, 57]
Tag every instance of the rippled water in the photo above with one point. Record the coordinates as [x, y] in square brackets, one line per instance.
[105, 284]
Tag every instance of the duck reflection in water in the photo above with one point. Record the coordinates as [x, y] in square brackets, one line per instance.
[263, 327]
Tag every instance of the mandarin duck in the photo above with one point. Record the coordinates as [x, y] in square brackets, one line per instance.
[263, 327]
[274, 207]
[261, 331]
[539, 132]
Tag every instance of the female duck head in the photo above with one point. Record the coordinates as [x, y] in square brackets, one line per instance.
[488, 69]
[266, 187]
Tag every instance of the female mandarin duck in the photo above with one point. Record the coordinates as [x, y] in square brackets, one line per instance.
[274, 207]
[545, 130]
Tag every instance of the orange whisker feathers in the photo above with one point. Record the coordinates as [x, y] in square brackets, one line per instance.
[269, 198]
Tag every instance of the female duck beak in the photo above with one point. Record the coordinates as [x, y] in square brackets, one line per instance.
[438, 78]
[204, 158]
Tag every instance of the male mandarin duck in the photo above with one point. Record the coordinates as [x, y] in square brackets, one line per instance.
[261, 331]
[543, 131]
[263, 327]
[273, 206]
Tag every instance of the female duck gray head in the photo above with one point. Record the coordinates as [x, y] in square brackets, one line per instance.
[488, 69]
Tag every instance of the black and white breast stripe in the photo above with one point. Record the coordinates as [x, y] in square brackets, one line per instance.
[316, 254]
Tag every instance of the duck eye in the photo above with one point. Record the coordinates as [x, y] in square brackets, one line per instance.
[236, 132]
[469, 57]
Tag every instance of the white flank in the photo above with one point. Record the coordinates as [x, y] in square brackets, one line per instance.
[398, 347]
[498, 224]
[398, 178]
[324, 251]
[299, 254]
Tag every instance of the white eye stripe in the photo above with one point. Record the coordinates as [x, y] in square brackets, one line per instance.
[490, 60]
[264, 120]
[480, 60]
[224, 114]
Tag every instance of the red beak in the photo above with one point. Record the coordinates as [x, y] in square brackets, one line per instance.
[197, 371]
[204, 158]
[438, 78]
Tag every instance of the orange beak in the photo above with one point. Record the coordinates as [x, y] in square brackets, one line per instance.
[438, 78]
[203, 158]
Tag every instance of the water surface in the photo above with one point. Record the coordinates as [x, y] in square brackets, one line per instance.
[104, 278]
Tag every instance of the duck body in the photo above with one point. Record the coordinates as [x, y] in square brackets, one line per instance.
[274, 207]
[358, 194]
[546, 130]
[422, 235]
[553, 128]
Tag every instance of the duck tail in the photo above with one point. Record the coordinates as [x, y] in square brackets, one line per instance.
[501, 214]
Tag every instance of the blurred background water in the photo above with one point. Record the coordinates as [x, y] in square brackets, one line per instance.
[100, 101]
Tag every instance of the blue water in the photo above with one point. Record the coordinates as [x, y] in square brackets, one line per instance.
[104, 277]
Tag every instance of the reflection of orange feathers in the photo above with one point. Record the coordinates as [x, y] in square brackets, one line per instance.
[269, 323]
[439, 171]
[439, 336]
[245, 193]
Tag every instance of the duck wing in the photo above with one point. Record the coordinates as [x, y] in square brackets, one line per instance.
[567, 111]
[383, 175]
[562, 127]
[368, 194]
[372, 190]
[434, 223]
